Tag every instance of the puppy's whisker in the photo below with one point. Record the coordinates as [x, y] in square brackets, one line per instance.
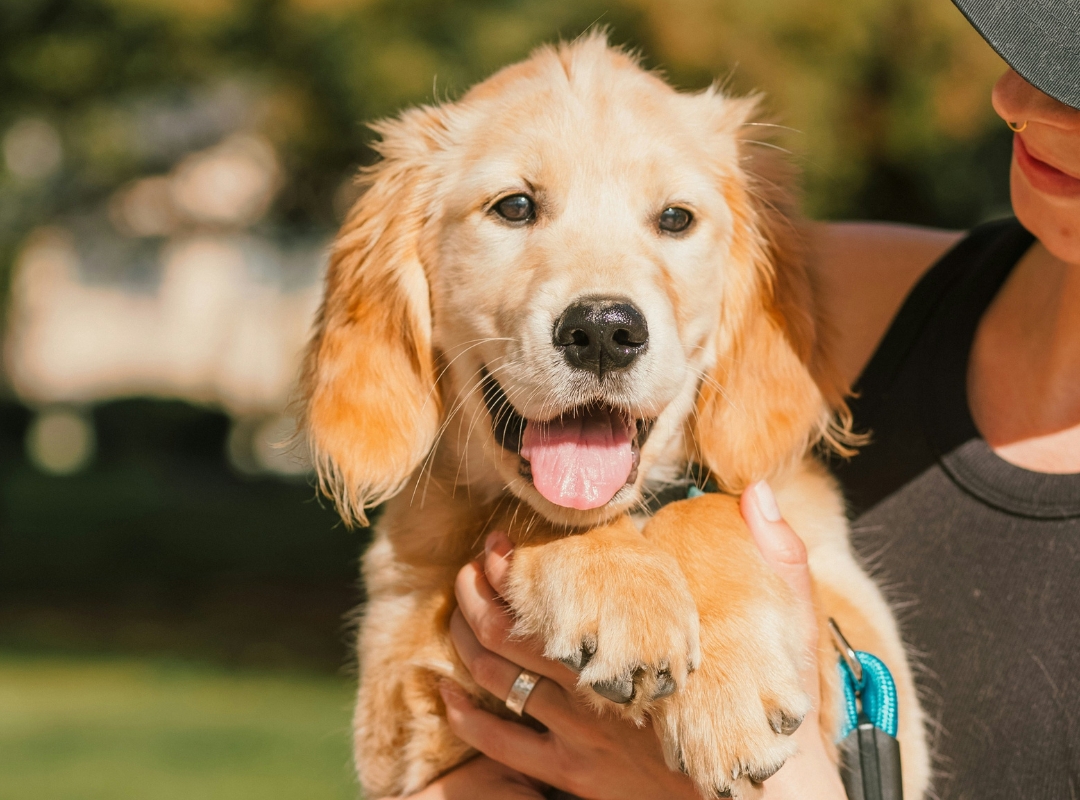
[781, 217]
[481, 410]
[472, 383]
[448, 417]
[465, 348]
[754, 191]
[770, 145]
[773, 125]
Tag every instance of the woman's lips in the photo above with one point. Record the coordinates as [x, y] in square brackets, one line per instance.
[1042, 176]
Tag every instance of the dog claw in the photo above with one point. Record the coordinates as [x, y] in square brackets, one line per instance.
[617, 690]
[723, 792]
[783, 724]
[665, 685]
[762, 775]
[579, 661]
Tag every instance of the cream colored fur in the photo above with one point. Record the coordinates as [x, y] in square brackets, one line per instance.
[426, 287]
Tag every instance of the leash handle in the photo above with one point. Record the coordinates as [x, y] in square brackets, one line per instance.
[869, 752]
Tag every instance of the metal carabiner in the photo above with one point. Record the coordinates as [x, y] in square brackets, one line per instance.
[847, 652]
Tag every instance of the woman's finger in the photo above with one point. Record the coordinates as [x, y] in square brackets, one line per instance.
[498, 550]
[509, 743]
[491, 622]
[547, 702]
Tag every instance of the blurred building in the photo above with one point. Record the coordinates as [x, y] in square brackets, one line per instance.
[169, 289]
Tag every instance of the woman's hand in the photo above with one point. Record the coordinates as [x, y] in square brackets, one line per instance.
[581, 752]
[588, 755]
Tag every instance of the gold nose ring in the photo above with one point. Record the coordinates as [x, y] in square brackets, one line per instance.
[1017, 126]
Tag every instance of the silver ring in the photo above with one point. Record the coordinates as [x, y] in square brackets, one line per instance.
[519, 693]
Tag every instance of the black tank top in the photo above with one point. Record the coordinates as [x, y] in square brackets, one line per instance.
[980, 558]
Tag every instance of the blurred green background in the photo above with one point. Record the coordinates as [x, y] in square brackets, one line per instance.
[174, 600]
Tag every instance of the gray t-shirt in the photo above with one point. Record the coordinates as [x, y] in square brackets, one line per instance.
[980, 558]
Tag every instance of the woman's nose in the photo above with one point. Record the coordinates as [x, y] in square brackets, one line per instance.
[1017, 101]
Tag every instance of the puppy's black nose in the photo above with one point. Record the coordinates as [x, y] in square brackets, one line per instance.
[601, 334]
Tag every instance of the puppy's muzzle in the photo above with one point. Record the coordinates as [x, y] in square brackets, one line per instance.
[601, 334]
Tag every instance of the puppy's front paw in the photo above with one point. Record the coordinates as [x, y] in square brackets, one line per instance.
[729, 728]
[619, 613]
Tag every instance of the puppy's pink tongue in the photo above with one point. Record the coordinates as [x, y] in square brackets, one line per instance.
[579, 461]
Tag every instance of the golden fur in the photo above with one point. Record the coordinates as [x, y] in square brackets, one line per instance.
[425, 288]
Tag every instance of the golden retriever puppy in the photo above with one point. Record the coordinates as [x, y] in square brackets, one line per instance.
[556, 295]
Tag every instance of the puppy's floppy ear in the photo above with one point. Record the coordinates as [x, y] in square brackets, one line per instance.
[369, 404]
[774, 391]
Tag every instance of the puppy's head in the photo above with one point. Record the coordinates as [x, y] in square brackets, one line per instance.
[572, 275]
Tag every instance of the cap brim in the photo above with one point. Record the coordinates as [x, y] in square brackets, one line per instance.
[1040, 39]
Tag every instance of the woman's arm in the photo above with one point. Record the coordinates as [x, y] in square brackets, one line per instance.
[481, 777]
[864, 271]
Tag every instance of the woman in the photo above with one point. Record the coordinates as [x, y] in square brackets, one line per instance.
[968, 498]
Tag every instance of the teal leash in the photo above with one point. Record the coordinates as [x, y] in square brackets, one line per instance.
[877, 691]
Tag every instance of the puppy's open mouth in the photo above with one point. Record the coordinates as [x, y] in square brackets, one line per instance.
[581, 458]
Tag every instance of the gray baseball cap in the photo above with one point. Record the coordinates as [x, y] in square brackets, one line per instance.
[1040, 39]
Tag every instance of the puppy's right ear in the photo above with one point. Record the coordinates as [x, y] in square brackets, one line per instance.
[370, 408]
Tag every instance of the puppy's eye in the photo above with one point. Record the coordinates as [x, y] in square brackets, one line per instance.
[516, 208]
[674, 219]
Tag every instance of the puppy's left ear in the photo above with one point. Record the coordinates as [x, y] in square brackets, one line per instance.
[774, 392]
[369, 402]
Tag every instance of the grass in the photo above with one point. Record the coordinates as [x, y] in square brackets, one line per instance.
[83, 728]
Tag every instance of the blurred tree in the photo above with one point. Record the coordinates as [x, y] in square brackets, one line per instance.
[890, 98]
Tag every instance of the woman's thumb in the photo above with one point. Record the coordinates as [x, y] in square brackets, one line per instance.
[781, 547]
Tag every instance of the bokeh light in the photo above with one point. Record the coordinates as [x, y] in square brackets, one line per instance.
[32, 149]
[60, 442]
